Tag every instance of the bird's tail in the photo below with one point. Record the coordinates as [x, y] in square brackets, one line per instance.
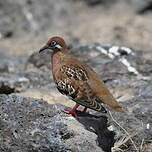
[112, 103]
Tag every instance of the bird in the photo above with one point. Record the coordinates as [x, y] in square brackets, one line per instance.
[77, 80]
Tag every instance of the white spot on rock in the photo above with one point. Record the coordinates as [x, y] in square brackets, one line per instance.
[111, 128]
[148, 126]
[114, 50]
[128, 65]
[102, 50]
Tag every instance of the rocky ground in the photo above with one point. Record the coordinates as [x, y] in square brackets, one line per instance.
[113, 37]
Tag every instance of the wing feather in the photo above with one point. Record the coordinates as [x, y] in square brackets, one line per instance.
[73, 81]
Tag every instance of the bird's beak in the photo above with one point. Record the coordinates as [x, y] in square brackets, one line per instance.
[44, 48]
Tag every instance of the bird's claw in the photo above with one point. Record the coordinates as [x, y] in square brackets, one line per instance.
[72, 112]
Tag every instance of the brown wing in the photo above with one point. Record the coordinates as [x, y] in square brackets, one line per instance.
[102, 91]
[97, 87]
[72, 80]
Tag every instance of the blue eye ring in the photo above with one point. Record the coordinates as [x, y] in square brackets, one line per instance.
[53, 43]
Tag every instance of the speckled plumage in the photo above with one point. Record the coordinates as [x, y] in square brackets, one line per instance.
[77, 80]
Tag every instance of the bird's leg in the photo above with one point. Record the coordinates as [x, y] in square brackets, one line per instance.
[85, 109]
[73, 111]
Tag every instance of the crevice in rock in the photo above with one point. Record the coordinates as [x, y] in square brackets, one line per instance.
[146, 9]
[5, 89]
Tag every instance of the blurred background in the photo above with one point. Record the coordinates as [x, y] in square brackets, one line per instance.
[26, 24]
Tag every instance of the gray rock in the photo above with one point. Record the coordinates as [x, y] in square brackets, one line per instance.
[10, 63]
[24, 17]
[28, 124]
[39, 60]
[14, 83]
[136, 121]
[21, 17]
[138, 6]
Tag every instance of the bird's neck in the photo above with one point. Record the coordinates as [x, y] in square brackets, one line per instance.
[57, 59]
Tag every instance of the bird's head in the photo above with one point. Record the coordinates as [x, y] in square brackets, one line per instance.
[54, 44]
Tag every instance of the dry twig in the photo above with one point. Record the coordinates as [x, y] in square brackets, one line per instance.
[125, 139]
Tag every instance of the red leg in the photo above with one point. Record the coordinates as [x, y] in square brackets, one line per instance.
[73, 111]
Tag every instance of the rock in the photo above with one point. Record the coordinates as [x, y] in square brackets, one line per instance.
[21, 17]
[12, 78]
[29, 124]
[10, 84]
[10, 63]
[136, 121]
[39, 60]
[138, 6]
[98, 2]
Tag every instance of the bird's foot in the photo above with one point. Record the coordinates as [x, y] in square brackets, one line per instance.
[72, 112]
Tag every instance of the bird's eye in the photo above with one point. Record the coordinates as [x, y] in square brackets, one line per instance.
[53, 43]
